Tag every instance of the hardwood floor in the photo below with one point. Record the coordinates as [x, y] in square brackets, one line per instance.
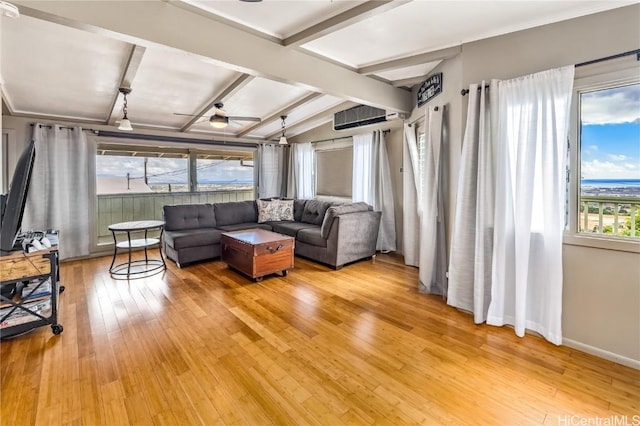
[204, 345]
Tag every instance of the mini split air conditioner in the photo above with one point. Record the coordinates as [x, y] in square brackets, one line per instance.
[396, 116]
[357, 116]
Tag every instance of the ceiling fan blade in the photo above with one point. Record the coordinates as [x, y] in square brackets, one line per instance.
[236, 118]
[188, 115]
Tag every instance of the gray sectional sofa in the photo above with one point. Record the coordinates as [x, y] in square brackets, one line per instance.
[333, 234]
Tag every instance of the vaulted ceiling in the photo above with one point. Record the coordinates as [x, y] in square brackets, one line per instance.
[305, 59]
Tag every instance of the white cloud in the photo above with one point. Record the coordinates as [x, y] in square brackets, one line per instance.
[590, 150]
[620, 105]
[617, 157]
[597, 169]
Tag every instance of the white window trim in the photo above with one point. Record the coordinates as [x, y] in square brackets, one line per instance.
[600, 76]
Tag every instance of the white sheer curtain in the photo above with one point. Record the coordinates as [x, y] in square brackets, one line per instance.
[271, 171]
[301, 182]
[410, 183]
[530, 192]
[472, 232]
[59, 192]
[372, 183]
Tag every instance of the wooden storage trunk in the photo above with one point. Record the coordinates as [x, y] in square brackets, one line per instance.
[258, 252]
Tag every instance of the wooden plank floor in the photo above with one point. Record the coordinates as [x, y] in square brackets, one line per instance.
[204, 345]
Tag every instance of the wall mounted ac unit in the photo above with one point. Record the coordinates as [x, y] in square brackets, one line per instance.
[357, 116]
[396, 116]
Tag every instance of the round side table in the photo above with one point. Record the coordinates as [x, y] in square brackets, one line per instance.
[137, 267]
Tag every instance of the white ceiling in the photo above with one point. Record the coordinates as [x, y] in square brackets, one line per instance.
[305, 59]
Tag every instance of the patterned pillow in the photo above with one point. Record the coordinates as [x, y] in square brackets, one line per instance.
[285, 209]
[274, 210]
[268, 211]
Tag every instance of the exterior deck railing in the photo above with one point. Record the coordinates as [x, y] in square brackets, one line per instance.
[115, 208]
[609, 215]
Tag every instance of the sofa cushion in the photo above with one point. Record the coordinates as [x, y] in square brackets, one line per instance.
[188, 216]
[235, 212]
[298, 209]
[314, 211]
[290, 228]
[274, 210]
[311, 236]
[245, 225]
[192, 238]
[334, 211]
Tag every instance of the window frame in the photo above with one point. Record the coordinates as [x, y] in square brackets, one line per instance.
[599, 76]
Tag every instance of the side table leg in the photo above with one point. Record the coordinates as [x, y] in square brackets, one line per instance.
[164, 264]
[146, 257]
[115, 250]
[129, 264]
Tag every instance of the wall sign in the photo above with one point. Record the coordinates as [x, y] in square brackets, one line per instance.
[430, 88]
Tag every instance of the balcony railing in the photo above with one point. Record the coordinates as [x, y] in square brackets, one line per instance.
[115, 208]
[616, 216]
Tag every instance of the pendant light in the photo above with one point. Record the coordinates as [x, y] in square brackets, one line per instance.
[283, 139]
[125, 124]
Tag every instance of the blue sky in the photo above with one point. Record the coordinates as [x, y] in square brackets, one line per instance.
[611, 133]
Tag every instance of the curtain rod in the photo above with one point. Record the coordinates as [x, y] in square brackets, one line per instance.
[138, 136]
[465, 91]
[608, 58]
[385, 131]
[48, 126]
[582, 64]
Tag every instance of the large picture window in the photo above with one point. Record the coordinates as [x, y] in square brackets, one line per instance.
[135, 182]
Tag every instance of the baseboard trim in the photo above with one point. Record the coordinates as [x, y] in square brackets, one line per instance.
[592, 350]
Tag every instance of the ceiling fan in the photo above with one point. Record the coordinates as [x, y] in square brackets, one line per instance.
[220, 119]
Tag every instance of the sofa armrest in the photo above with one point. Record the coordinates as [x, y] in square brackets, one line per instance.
[353, 236]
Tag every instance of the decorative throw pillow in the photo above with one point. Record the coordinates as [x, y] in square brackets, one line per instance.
[285, 210]
[268, 211]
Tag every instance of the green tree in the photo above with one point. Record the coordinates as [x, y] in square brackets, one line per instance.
[627, 231]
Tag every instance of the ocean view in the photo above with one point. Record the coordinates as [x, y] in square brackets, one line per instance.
[610, 187]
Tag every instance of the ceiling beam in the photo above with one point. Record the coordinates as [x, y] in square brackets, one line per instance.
[128, 75]
[423, 58]
[409, 82]
[349, 17]
[283, 111]
[225, 93]
[152, 23]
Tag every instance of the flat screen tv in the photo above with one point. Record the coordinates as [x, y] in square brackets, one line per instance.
[15, 199]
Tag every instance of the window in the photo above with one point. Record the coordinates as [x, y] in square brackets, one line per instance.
[227, 171]
[334, 171]
[421, 148]
[128, 169]
[123, 169]
[605, 152]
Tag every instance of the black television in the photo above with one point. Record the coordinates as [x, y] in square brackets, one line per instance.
[15, 200]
